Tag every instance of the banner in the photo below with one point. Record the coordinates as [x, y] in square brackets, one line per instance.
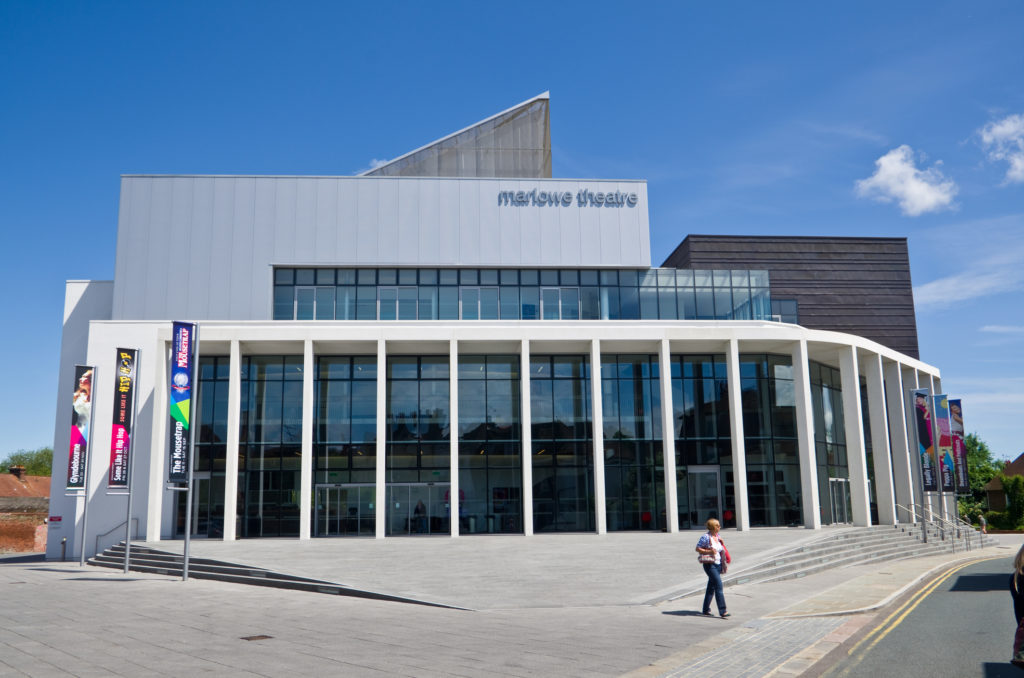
[945, 443]
[182, 359]
[121, 426]
[925, 445]
[956, 417]
[81, 416]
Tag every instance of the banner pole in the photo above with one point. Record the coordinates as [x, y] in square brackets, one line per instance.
[193, 396]
[131, 461]
[88, 464]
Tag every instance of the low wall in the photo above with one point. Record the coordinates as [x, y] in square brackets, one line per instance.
[22, 532]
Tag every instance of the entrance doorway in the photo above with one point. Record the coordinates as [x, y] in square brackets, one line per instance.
[418, 508]
[705, 498]
[839, 492]
[207, 506]
[344, 510]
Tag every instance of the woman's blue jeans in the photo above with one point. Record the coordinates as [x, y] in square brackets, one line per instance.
[714, 572]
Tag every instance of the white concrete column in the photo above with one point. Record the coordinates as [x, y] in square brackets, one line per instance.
[739, 449]
[597, 426]
[381, 486]
[668, 437]
[809, 500]
[856, 454]
[306, 472]
[902, 475]
[526, 435]
[158, 449]
[234, 422]
[453, 436]
[880, 439]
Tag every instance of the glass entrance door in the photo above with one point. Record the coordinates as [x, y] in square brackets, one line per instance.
[418, 508]
[344, 511]
[705, 501]
[839, 491]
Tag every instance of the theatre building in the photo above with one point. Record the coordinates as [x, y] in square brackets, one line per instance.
[457, 343]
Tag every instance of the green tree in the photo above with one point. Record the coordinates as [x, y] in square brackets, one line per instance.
[36, 462]
[1014, 487]
[980, 465]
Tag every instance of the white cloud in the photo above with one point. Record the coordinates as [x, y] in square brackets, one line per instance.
[1004, 329]
[374, 164]
[987, 257]
[1004, 140]
[898, 179]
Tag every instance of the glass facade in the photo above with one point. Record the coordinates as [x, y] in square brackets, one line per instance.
[270, 445]
[634, 470]
[519, 294]
[210, 451]
[830, 443]
[562, 455]
[700, 415]
[345, 445]
[770, 440]
[418, 458]
[490, 445]
[490, 454]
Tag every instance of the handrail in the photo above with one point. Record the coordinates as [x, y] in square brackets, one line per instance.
[956, 529]
[135, 532]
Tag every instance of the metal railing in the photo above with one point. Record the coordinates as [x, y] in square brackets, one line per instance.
[102, 538]
[954, 531]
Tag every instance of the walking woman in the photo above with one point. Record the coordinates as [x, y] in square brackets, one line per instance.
[1017, 591]
[713, 556]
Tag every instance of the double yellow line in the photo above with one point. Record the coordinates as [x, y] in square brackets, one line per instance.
[897, 617]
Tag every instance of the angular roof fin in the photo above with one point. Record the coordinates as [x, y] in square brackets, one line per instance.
[515, 143]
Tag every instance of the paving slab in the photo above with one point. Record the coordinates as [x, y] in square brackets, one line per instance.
[545, 606]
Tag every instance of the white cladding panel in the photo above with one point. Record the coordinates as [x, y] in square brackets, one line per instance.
[202, 248]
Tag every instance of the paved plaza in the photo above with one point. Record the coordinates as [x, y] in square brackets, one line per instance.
[566, 605]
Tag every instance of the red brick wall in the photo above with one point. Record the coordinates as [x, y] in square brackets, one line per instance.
[22, 532]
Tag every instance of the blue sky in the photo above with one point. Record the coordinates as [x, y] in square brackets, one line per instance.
[878, 119]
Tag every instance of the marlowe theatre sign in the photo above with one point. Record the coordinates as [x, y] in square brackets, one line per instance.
[584, 198]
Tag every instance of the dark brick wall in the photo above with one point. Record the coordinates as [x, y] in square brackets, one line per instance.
[856, 285]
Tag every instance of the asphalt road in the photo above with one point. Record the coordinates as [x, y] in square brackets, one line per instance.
[958, 624]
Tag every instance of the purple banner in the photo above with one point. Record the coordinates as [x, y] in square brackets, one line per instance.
[182, 359]
[925, 444]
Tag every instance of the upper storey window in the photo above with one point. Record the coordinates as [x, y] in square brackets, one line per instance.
[519, 294]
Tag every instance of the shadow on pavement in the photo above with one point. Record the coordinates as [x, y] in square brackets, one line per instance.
[689, 613]
[982, 582]
[23, 558]
[1000, 670]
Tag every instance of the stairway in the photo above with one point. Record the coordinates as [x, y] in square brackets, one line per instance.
[849, 547]
[146, 559]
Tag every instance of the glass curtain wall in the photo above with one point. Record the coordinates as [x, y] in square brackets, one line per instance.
[829, 441]
[210, 450]
[418, 461]
[519, 294]
[633, 467]
[770, 440]
[700, 415]
[270, 445]
[344, 445]
[562, 454]
[490, 449]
